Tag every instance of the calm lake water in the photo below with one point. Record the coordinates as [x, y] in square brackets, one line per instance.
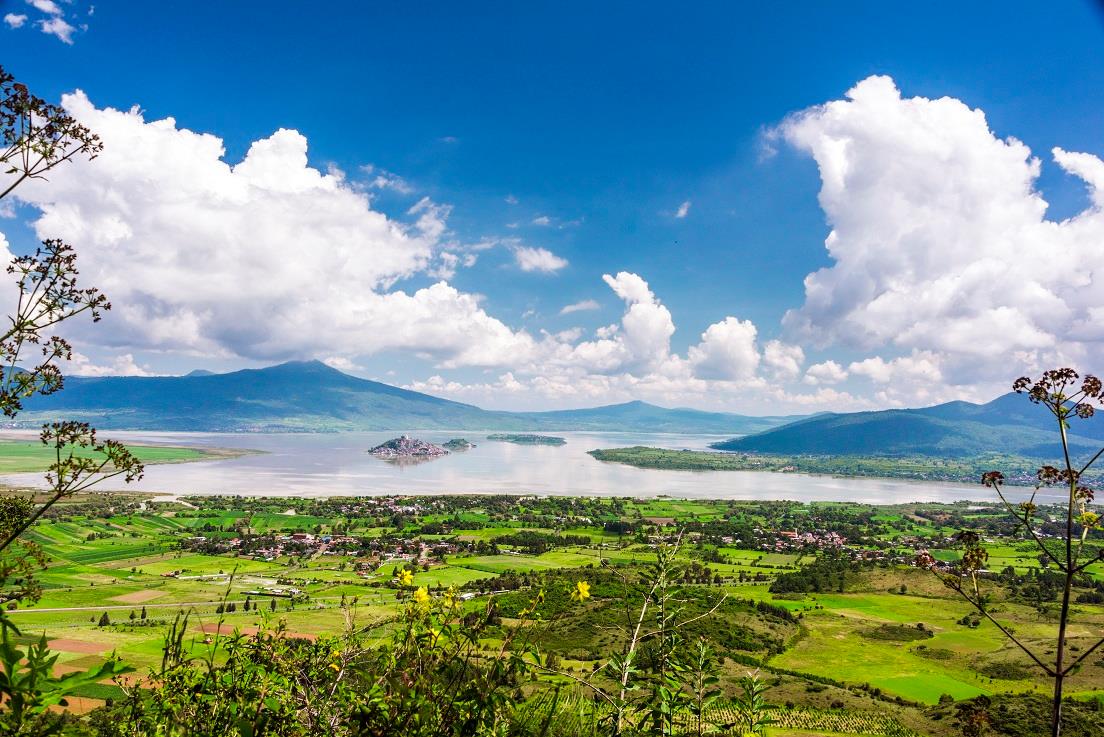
[338, 464]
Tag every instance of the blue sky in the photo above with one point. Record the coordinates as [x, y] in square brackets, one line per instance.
[550, 144]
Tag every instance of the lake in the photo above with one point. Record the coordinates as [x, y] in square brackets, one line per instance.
[338, 464]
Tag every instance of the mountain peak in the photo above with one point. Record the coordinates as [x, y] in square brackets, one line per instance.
[312, 365]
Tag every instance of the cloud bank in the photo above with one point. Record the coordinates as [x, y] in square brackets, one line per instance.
[946, 277]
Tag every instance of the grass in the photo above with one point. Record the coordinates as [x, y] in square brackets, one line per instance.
[522, 563]
[448, 575]
[833, 648]
[19, 456]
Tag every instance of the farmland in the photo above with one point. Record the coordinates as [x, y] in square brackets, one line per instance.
[870, 646]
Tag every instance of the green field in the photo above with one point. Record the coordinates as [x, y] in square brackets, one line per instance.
[859, 636]
[18, 456]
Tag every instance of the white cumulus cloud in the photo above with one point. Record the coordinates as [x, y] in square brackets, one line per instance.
[727, 350]
[266, 258]
[529, 258]
[122, 365]
[939, 241]
[826, 372]
[783, 359]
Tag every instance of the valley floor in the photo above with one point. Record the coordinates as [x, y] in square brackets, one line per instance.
[877, 647]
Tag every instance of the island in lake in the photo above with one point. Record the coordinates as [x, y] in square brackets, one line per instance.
[407, 447]
[458, 444]
[527, 439]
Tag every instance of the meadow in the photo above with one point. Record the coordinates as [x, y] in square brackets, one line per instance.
[883, 650]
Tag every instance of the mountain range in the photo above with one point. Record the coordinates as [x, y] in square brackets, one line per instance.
[311, 396]
[1009, 424]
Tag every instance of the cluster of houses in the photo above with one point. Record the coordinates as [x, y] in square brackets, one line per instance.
[370, 553]
[793, 541]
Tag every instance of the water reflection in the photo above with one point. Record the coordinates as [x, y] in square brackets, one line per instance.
[338, 464]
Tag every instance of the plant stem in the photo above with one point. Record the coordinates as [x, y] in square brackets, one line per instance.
[1059, 674]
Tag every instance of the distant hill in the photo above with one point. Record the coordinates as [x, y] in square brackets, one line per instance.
[1008, 424]
[641, 416]
[311, 396]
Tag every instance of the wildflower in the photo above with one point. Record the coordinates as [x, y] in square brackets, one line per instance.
[421, 596]
[1048, 475]
[406, 578]
[1089, 520]
[581, 592]
[992, 478]
[335, 667]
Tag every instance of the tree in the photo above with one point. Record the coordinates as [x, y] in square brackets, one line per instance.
[105, 620]
[143, 614]
[1067, 397]
[36, 136]
[272, 605]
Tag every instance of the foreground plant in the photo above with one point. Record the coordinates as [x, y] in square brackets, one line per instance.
[1067, 397]
[655, 677]
[751, 708]
[429, 676]
[703, 683]
[34, 138]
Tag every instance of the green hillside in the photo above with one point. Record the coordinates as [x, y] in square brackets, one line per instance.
[1008, 425]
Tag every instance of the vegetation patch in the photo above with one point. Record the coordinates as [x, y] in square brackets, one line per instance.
[897, 633]
[934, 653]
[1007, 671]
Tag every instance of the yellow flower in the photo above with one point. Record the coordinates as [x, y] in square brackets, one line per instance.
[581, 592]
[1089, 519]
[421, 596]
[405, 577]
[335, 667]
